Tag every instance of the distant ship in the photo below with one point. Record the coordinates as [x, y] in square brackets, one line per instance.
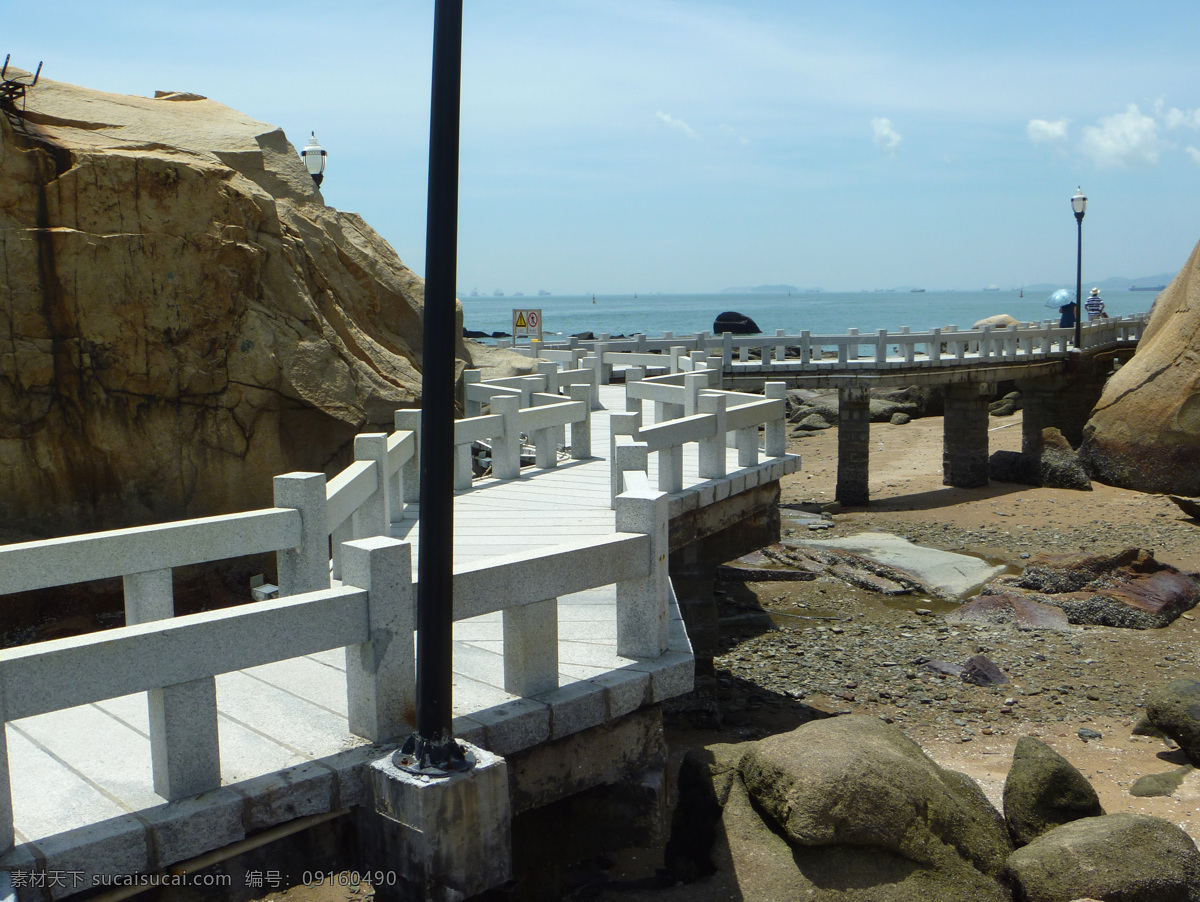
[992, 288]
[497, 293]
[543, 293]
[917, 290]
[1147, 287]
[474, 292]
[519, 294]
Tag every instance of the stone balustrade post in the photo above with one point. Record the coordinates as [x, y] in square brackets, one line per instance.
[605, 375]
[726, 351]
[775, 432]
[464, 469]
[712, 449]
[675, 353]
[965, 435]
[805, 347]
[506, 448]
[471, 408]
[621, 425]
[632, 375]
[593, 363]
[371, 518]
[642, 603]
[692, 384]
[184, 752]
[743, 353]
[781, 347]
[381, 672]
[581, 431]
[409, 420]
[935, 345]
[531, 648]
[747, 446]
[854, 445]
[881, 337]
[304, 568]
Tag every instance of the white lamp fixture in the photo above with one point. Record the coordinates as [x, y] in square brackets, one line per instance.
[1079, 203]
[313, 156]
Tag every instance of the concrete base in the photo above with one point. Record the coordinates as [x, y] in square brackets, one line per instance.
[446, 839]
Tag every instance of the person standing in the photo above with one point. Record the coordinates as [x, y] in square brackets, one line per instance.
[1094, 306]
[1066, 316]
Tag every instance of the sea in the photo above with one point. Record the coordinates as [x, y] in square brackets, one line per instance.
[820, 312]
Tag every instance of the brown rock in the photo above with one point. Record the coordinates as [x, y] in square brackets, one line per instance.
[1008, 609]
[184, 316]
[1144, 432]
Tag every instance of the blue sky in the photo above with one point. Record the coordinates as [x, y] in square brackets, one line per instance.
[615, 146]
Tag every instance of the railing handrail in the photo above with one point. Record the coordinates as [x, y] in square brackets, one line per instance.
[47, 563]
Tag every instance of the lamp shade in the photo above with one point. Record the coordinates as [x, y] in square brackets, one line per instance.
[1079, 202]
[313, 156]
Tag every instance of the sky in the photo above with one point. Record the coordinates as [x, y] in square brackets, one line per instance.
[618, 146]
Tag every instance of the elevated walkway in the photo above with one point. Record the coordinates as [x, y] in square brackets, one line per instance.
[85, 811]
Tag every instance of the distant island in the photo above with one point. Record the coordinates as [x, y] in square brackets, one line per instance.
[762, 289]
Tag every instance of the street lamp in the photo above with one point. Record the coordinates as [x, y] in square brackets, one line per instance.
[313, 156]
[1079, 205]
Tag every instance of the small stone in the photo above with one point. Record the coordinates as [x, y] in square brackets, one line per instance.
[1085, 734]
[924, 612]
[987, 731]
[1007, 709]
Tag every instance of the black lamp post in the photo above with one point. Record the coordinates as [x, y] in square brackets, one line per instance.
[432, 749]
[313, 156]
[1079, 205]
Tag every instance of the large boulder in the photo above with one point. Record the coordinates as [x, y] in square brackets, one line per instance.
[735, 323]
[184, 316]
[1144, 432]
[854, 781]
[1130, 857]
[1174, 710]
[1043, 791]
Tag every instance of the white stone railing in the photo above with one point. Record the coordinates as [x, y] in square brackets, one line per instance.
[882, 349]
[687, 411]
[176, 659]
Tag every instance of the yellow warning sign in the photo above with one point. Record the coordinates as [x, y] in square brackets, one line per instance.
[527, 322]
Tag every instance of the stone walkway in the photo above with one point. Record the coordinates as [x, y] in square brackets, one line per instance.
[82, 788]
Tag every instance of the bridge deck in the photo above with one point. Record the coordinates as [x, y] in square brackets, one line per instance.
[82, 786]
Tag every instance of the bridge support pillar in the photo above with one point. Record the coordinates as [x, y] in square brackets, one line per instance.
[854, 445]
[965, 435]
[446, 838]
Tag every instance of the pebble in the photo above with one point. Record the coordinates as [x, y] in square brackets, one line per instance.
[1085, 734]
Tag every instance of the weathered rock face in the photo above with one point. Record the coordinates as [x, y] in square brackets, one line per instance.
[1174, 710]
[183, 317]
[1144, 432]
[1043, 791]
[1127, 589]
[1131, 857]
[856, 781]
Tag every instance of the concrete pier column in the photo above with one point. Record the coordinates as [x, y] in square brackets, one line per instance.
[854, 444]
[448, 838]
[1039, 405]
[965, 435]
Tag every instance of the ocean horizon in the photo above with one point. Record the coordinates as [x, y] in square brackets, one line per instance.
[821, 313]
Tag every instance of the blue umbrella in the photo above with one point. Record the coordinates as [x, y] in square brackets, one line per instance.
[1059, 298]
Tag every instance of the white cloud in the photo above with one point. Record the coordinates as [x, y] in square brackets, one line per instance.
[1122, 138]
[1045, 131]
[1175, 118]
[886, 137]
[1194, 154]
[733, 133]
[678, 124]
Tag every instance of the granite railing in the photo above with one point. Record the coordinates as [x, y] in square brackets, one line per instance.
[687, 411]
[176, 659]
[948, 346]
